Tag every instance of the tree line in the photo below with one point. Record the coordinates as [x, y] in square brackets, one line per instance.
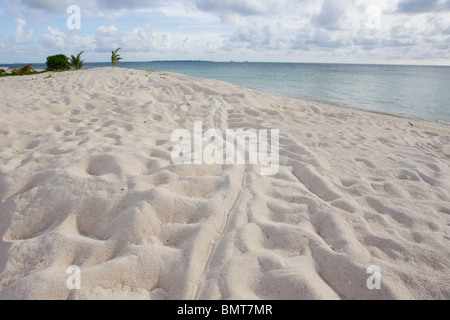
[59, 62]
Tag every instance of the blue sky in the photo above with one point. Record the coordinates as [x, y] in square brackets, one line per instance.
[343, 31]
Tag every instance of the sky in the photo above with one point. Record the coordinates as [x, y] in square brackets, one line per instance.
[328, 31]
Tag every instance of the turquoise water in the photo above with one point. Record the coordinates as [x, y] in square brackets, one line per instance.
[421, 92]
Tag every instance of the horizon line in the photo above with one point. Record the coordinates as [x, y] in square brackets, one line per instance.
[250, 62]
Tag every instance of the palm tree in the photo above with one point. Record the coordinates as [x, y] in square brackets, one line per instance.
[115, 57]
[75, 62]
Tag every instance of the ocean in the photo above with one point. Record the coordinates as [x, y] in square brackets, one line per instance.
[418, 92]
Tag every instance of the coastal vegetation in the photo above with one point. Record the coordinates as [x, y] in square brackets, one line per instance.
[75, 62]
[115, 57]
[25, 70]
[58, 62]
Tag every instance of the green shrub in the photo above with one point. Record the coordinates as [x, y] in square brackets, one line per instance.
[58, 62]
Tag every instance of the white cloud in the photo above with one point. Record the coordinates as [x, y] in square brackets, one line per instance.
[287, 29]
[66, 41]
[136, 40]
[55, 39]
[257, 34]
[144, 40]
[20, 36]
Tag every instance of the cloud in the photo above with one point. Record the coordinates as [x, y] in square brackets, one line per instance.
[20, 36]
[54, 39]
[423, 6]
[318, 40]
[66, 41]
[49, 5]
[136, 40]
[417, 6]
[259, 35]
[331, 14]
[367, 44]
[88, 7]
[127, 4]
[158, 45]
[285, 30]
[108, 38]
[241, 7]
[59, 6]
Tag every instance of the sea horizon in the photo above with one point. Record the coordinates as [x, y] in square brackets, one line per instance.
[14, 64]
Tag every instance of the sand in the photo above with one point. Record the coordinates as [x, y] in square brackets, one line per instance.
[87, 179]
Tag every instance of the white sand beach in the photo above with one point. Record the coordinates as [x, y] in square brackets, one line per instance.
[87, 179]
